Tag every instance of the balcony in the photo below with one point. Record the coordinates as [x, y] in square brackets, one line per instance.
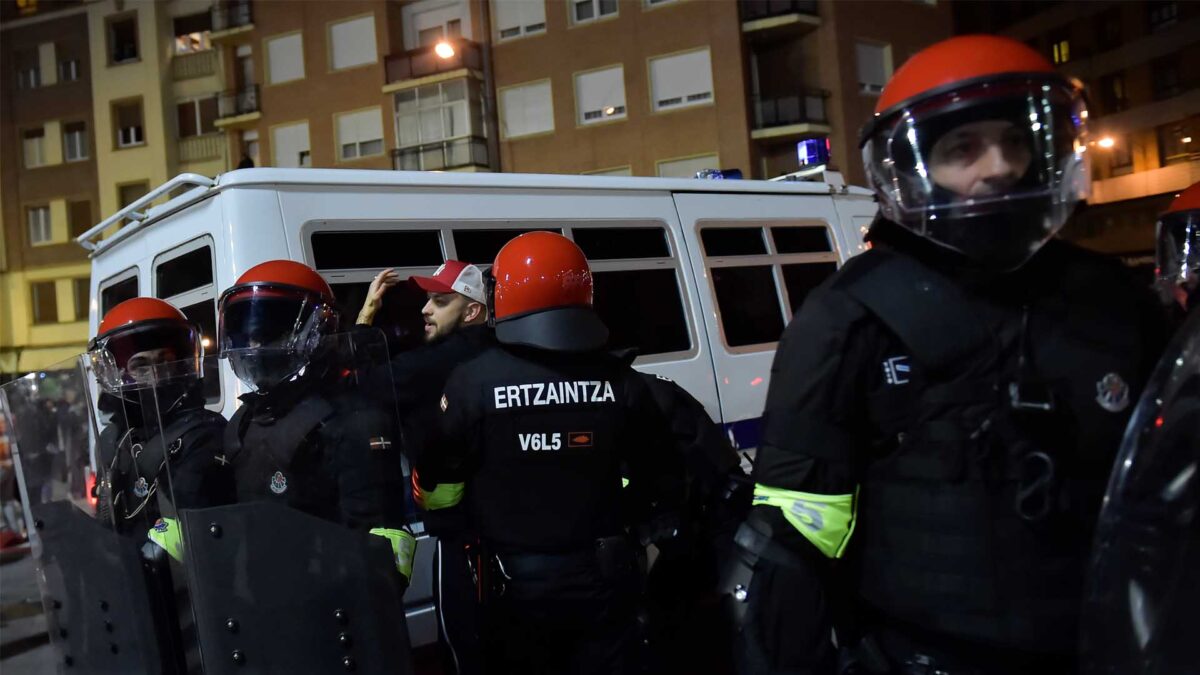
[200, 148]
[196, 64]
[790, 115]
[422, 63]
[238, 108]
[1145, 183]
[231, 21]
[767, 20]
[457, 154]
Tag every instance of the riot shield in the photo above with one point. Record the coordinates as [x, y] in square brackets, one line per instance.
[96, 595]
[1142, 604]
[288, 516]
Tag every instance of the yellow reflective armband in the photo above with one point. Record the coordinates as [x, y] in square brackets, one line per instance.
[825, 520]
[404, 547]
[165, 533]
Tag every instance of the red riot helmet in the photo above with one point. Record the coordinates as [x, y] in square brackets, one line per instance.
[542, 295]
[1177, 252]
[142, 342]
[978, 145]
[272, 320]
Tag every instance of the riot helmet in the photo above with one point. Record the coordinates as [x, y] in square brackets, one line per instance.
[1177, 251]
[272, 320]
[978, 145]
[542, 295]
[143, 342]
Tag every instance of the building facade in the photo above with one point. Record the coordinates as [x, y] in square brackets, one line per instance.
[1140, 62]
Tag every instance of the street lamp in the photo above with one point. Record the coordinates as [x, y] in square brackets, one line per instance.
[444, 50]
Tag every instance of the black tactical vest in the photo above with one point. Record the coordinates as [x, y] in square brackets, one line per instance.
[977, 510]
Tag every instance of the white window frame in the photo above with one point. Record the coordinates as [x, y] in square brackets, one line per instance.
[119, 277]
[267, 42]
[68, 67]
[357, 145]
[38, 225]
[596, 15]
[409, 12]
[195, 104]
[602, 115]
[503, 108]
[29, 78]
[192, 296]
[522, 28]
[77, 141]
[30, 161]
[303, 155]
[689, 100]
[871, 88]
[443, 106]
[333, 66]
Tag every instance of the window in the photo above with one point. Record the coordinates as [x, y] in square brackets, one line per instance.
[688, 166]
[38, 220]
[33, 144]
[1112, 93]
[1120, 156]
[117, 289]
[600, 95]
[82, 291]
[79, 217]
[285, 59]
[681, 80]
[360, 134]
[1166, 77]
[191, 33]
[874, 62]
[290, 145]
[1060, 47]
[429, 21]
[480, 247]
[68, 70]
[204, 315]
[128, 194]
[376, 249]
[1177, 142]
[1109, 29]
[746, 262]
[617, 243]
[399, 318]
[526, 109]
[28, 65]
[75, 141]
[128, 119]
[45, 302]
[353, 43]
[197, 117]
[122, 39]
[184, 277]
[250, 145]
[183, 273]
[583, 11]
[1160, 15]
[436, 112]
[514, 18]
[642, 308]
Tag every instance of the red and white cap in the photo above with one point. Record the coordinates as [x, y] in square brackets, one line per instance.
[455, 276]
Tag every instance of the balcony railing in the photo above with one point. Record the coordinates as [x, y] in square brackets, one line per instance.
[239, 102]
[197, 148]
[424, 61]
[442, 155]
[806, 107]
[753, 10]
[232, 15]
[196, 64]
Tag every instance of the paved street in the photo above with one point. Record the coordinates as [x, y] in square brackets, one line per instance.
[22, 651]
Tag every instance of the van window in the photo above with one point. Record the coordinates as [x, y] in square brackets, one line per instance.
[479, 247]
[615, 243]
[117, 289]
[759, 281]
[184, 276]
[399, 317]
[337, 250]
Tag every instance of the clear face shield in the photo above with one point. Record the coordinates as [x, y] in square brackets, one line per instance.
[132, 357]
[992, 170]
[269, 332]
[1177, 256]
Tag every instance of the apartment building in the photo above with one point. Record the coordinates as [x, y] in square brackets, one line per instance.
[48, 187]
[1140, 62]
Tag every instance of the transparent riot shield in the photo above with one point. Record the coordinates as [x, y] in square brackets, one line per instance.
[1142, 604]
[288, 516]
[99, 603]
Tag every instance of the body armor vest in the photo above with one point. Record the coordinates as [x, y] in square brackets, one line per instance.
[979, 503]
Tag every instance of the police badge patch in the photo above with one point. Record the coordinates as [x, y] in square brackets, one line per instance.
[1112, 393]
[160, 525]
[278, 483]
[141, 488]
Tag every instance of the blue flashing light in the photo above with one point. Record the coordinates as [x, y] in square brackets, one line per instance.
[812, 151]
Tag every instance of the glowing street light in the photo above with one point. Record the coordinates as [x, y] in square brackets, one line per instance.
[1106, 142]
[1186, 139]
[444, 50]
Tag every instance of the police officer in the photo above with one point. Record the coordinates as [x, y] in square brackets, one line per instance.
[1177, 254]
[303, 437]
[541, 429]
[147, 358]
[944, 410]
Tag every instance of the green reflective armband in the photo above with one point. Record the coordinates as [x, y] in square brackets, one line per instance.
[165, 533]
[404, 547]
[443, 496]
[825, 520]
[624, 482]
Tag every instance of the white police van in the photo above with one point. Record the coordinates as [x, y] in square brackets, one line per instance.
[700, 275]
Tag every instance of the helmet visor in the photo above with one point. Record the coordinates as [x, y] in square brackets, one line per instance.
[268, 332]
[1177, 257]
[991, 170]
[138, 355]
